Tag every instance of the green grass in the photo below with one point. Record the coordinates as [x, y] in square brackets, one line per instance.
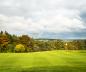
[49, 61]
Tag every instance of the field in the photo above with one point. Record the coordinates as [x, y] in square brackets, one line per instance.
[49, 61]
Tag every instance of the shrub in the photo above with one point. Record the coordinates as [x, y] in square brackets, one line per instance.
[20, 48]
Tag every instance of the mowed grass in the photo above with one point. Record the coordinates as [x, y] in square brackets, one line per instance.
[49, 61]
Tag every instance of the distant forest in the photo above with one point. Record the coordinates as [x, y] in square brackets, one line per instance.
[24, 43]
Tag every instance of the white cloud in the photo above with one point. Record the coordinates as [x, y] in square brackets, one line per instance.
[58, 23]
[38, 16]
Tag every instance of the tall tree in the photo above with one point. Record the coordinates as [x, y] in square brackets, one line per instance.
[26, 41]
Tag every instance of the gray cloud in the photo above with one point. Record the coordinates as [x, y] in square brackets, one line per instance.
[52, 18]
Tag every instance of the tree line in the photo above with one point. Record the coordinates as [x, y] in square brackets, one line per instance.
[24, 43]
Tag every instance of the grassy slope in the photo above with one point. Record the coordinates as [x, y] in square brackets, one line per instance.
[53, 61]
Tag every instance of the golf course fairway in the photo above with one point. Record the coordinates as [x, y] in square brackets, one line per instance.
[48, 61]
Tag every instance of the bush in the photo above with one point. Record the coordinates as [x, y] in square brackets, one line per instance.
[20, 48]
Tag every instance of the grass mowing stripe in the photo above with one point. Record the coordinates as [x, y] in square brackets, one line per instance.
[49, 61]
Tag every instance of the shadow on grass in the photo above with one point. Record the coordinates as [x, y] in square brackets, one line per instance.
[46, 69]
[55, 69]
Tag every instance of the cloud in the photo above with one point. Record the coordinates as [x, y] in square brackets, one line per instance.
[54, 24]
[44, 18]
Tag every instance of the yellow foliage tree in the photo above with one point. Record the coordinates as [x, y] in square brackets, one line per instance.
[19, 48]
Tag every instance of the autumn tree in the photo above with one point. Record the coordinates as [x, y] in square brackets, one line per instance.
[26, 41]
[3, 42]
[20, 48]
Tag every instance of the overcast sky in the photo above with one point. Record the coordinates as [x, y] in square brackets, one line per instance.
[64, 19]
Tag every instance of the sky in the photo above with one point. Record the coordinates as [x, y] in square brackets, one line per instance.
[54, 19]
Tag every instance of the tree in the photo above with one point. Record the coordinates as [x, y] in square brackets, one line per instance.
[82, 44]
[26, 41]
[20, 48]
[3, 42]
[1, 32]
[10, 48]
